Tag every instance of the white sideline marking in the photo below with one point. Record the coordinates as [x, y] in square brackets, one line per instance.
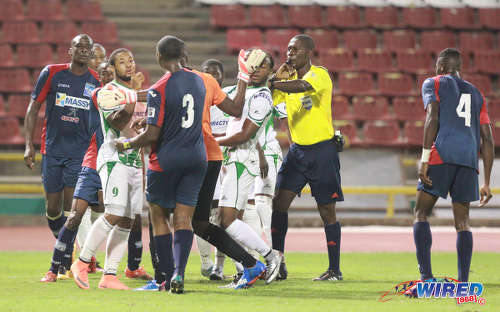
[392, 229]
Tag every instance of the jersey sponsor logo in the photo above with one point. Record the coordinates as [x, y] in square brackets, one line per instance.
[265, 95]
[219, 123]
[70, 119]
[89, 88]
[151, 112]
[63, 100]
[63, 85]
[306, 102]
[151, 92]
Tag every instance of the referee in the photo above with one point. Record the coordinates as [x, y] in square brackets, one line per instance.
[313, 156]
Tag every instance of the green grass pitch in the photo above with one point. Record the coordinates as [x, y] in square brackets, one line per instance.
[366, 277]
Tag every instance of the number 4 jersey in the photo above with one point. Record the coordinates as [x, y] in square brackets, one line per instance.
[462, 109]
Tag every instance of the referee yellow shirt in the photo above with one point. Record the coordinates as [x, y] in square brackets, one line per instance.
[310, 112]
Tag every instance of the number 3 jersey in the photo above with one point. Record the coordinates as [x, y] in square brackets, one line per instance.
[462, 109]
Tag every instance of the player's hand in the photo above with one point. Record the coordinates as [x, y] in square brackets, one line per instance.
[284, 72]
[264, 168]
[249, 63]
[138, 124]
[29, 156]
[119, 144]
[137, 81]
[422, 174]
[485, 195]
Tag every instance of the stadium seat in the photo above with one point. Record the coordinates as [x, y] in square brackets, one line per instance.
[494, 109]
[415, 61]
[278, 39]
[344, 17]
[18, 104]
[349, 131]
[47, 10]
[487, 61]
[337, 60]
[424, 17]
[2, 107]
[488, 18]
[421, 78]
[58, 32]
[382, 17]
[371, 108]
[355, 84]
[467, 64]
[84, 10]
[414, 133]
[14, 80]
[20, 32]
[382, 133]
[243, 38]
[35, 75]
[482, 82]
[223, 16]
[437, 40]
[408, 109]
[399, 40]
[7, 59]
[475, 41]
[341, 109]
[11, 131]
[62, 55]
[305, 16]
[324, 38]
[458, 18]
[267, 16]
[12, 10]
[102, 32]
[375, 60]
[360, 39]
[34, 55]
[395, 84]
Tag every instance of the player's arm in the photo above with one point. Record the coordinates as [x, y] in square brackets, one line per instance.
[247, 131]
[30, 124]
[264, 166]
[430, 132]
[235, 107]
[119, 118]
[292, 86]
[146, 138]
[488, 152]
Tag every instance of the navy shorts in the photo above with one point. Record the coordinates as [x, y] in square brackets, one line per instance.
[206, 196]
[318, 165]
[58, 172]
[182, 185]
[462, 183]
[87, 186]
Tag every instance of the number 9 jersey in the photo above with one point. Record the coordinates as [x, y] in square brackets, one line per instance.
[462, 109]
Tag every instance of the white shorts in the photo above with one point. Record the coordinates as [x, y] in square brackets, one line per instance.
[267, 185]
[237, 185]
[122, 190]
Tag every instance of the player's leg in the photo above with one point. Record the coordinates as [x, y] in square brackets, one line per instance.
[52, 178]
[83, 229]
[250, 216]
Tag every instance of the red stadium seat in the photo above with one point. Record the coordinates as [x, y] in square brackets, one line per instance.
[278, 39]
[437, 40]
[375, 60]
[12, 10]
[424, 17]
[349, 131]
[382, 133]
[341, 110]
[356, 84]
[37, 137]
[84, 10]
[11, 132]
[482, 82]
[382, 17]
[223, 16]
[62, 54]
[47, 10]
[360, 39]
[58, 32]
[467, 65]
[243, 38]
[415, 61]
[458, 18]
[7, 59]
[305, 16]
[414, 133]
[344, 17]
[396, 84]
[398, 40]
[487, 61]
[267, 16]
[475, 41]
[337, 60]
[324, 38]
[20, 32]
[488, 18]
[495, 129]
[494, 110]
[34, 55]
[18, 104]
[102, 32]
[2, 107]
[421, 78]
[14, 80]
[408, 109]
[371, 108]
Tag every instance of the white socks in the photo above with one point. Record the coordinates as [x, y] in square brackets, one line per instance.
[264, 205]
[98, 233]
[251, 217]
[245, 236]
[115, 249]
[84, 228]
[205, 249]
[95, 215]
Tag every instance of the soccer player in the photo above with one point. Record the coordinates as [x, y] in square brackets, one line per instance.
[306, 90]
[67, 91]
[242, 165]
[121, 177]
[98, 56]
[457, 128]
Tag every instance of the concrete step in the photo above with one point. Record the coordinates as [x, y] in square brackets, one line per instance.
[188, 36]
[156, 11]
[109, 6]
[207, 48]
[166, 24]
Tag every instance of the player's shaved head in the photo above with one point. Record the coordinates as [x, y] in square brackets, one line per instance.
[449, 61]
[114, 54]
[306, 41]
[100, 47]
[80, 37]
[170, 48]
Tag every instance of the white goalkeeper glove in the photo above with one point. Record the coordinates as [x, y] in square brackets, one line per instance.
[112, 99]
[248, 65]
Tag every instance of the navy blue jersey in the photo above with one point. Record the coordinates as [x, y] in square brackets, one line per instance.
[175, 104]
[462, 109]
[66, 131]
